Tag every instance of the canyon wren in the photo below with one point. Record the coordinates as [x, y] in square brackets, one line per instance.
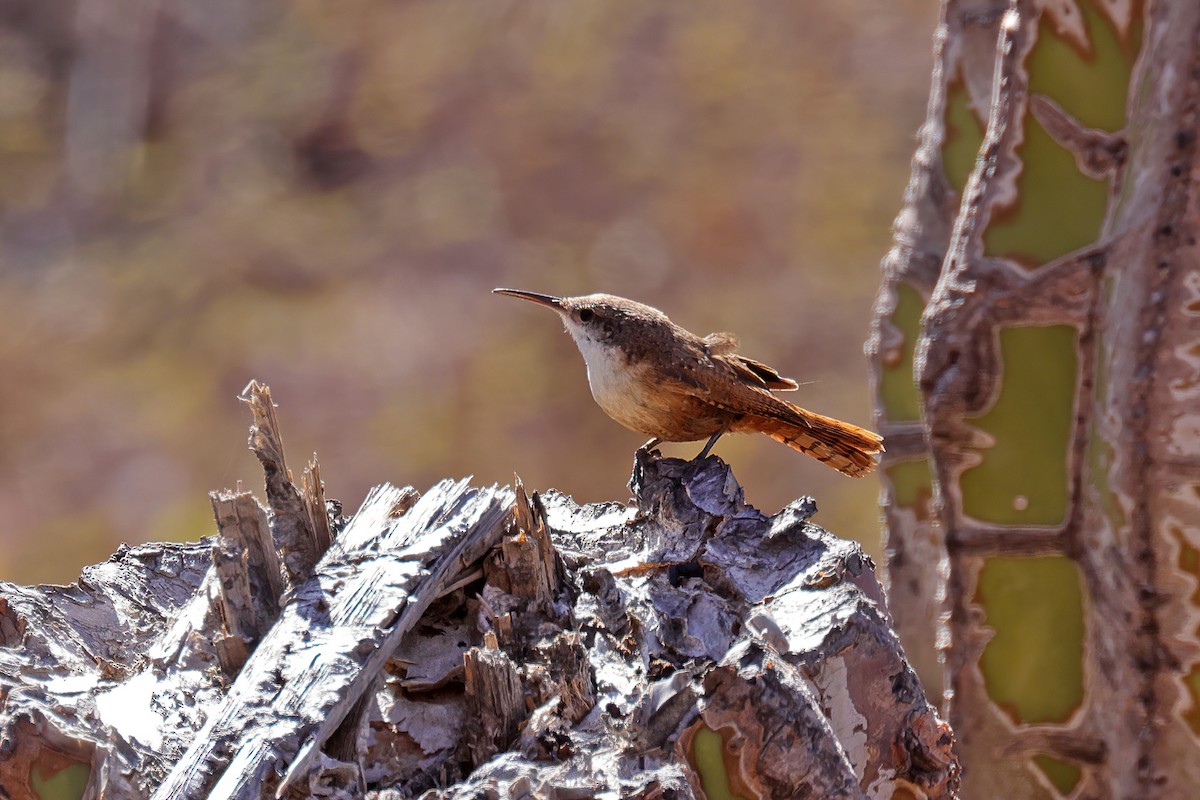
[656, 378]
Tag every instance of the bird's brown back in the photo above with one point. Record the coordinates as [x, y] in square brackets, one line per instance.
[738, 389]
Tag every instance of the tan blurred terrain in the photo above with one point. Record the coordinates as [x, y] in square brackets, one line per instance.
[322, 195]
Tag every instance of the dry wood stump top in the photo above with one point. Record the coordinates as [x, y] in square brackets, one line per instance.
[472, 643]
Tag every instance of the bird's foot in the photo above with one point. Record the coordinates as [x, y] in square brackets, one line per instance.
[643, 457]
[649, 446]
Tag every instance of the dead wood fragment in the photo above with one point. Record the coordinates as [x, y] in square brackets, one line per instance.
[291, 521]
[495, 700]
[75, 683]
[343, 743]
[531, 566]
[234, 606]
[335, 635]
[480, 643]
[35, 753]
[242, 520]
[312, 489]
[562, 671]
[247, 575]
[792, 751]
[655, 638]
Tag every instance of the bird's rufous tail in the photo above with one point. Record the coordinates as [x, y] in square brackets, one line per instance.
[847, 448]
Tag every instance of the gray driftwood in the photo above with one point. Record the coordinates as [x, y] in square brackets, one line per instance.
[473, 643]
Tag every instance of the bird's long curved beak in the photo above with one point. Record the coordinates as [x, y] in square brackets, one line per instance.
[550, 301]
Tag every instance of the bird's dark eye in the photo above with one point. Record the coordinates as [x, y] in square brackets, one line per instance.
[586, 315]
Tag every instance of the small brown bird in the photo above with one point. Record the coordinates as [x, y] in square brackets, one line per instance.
[656, 378]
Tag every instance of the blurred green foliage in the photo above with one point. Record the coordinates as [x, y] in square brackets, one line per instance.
[321, 195]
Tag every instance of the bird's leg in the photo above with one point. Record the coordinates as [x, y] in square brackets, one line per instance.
[641, 458]
[650, 445]
[711, 441]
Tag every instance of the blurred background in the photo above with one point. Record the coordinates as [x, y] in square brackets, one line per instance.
[322, 195]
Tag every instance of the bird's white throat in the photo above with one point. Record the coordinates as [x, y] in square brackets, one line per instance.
[609, 374]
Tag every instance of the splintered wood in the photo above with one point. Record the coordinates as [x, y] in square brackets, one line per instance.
[301, 539]
[335, 634]
[474, 642]
[248, 576]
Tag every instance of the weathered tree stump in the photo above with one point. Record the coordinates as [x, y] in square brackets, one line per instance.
[471, 643]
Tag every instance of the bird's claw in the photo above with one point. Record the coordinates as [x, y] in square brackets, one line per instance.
[649, 447]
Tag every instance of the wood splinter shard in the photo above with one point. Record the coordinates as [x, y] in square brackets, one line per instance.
[298, 518]
[249, 577]
[530, 564]
[495, 700]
